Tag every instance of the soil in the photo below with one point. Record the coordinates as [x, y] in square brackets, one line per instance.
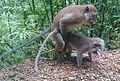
[103, 68]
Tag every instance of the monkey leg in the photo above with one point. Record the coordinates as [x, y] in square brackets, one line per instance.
[64, 57]
[61, 57]
[59, 42]
[59, 46]
[68, 50]
[79, 58]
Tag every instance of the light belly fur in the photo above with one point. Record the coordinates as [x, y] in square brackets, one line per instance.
[72, 27]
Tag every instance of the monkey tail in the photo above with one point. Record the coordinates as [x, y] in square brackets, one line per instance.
[40, 50]
[27, 42]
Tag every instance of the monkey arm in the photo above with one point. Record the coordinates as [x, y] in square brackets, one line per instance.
[80, 56]
[27, 42]
[67, 23]
[59, 42]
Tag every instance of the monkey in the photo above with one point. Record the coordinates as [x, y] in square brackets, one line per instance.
[85, 44]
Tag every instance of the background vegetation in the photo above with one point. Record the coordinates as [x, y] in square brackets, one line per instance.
[21, 20]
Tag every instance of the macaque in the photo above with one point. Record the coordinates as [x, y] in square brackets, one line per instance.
[85, 44]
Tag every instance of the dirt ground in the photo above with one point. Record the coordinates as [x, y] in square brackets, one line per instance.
[103, 68]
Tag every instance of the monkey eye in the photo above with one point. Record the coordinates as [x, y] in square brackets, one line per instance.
[86, 10]
[98, 45]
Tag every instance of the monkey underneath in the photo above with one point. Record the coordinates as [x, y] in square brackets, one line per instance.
[85, 44]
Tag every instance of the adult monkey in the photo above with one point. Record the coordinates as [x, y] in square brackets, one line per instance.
[65, 21]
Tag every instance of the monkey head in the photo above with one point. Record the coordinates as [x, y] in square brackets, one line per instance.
[98, 46]
[90, 13]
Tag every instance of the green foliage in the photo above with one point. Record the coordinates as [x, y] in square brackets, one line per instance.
[23, 19]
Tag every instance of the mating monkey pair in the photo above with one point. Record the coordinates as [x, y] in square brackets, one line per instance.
[66, 21]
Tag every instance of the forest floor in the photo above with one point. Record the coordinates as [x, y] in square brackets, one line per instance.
[103, 68]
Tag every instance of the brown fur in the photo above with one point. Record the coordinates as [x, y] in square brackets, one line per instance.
[78, 10]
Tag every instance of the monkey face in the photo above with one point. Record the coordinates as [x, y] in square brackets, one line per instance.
[90, 18]
[98, 47]
[90, 15]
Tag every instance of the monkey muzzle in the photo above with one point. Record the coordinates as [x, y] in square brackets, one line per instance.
[91, 21]
[97, 52]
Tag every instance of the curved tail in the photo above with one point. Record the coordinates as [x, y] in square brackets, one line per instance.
[27, 42]
[40, 50]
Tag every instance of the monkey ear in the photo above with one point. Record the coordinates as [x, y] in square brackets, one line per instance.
[86, 9]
